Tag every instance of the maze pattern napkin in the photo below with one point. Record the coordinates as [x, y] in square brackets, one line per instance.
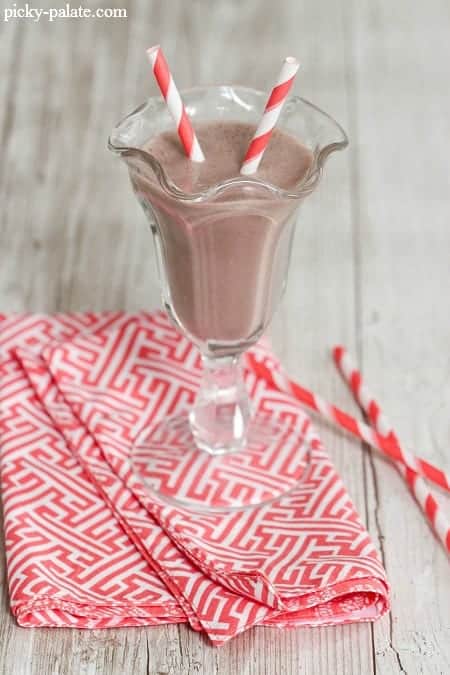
[86, 545]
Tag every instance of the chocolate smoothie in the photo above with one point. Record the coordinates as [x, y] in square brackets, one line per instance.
[224, 258]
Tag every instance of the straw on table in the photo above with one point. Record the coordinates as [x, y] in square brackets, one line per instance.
[353, 378]
[369, 405]
[385, 444]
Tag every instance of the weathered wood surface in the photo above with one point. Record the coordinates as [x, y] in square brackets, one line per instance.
[370, 269]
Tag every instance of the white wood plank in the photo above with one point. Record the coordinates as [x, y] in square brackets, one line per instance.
[402, 102]
[15, 645]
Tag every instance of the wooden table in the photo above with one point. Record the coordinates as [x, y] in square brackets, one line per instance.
[370, 269]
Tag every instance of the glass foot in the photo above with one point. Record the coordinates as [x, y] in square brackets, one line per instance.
[275, 459]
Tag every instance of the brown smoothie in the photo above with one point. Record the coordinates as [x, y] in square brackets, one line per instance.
[224, 258]
[224, 144]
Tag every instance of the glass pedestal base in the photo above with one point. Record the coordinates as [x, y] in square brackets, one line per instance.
[275, 459]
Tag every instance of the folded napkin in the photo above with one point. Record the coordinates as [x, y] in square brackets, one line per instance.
[86, 546]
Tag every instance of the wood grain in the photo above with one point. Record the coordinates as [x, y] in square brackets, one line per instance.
[403, 274]
[370, 269]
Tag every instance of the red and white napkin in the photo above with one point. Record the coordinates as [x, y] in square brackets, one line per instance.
[87, 547]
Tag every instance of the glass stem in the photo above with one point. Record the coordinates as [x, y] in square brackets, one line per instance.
[221, 413]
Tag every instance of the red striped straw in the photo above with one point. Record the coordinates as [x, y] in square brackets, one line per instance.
[175, 105]
[277, 379]
[352, 376]
[272, 111]
[429, 505]
[371, 408]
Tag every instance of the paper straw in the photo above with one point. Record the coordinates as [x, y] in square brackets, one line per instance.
[353, 378]
[175, 105]
[279, 380]
[430, 507]
[270, 116]
[433, 512]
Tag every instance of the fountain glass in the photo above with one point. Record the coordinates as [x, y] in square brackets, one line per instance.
[236, 457]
